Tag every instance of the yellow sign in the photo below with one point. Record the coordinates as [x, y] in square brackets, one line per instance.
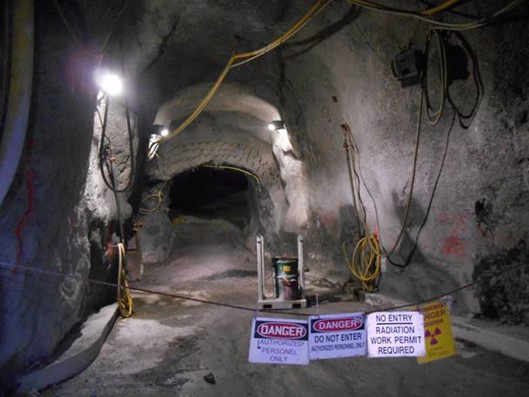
[438, 336]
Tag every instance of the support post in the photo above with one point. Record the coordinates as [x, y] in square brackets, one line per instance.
[301, 267]
[260, 275]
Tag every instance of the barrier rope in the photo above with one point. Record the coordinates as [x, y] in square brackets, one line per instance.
[5, 266]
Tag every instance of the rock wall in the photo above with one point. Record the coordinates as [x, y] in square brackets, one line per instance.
[468, 203]
[58, 216]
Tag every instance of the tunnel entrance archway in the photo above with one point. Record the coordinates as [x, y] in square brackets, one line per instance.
[212, 193]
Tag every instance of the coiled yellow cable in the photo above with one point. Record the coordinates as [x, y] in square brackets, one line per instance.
[124, 297]
[365, 263]
[155, 196]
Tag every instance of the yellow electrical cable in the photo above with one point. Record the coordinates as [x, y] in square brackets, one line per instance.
[439, 8]
[365, 263]
[225, 167]
[244, 58]
[439, 24]
[250, 56]
[159, 198]
[365, 268]
[314, 10]
[124, 297]
[201, 106]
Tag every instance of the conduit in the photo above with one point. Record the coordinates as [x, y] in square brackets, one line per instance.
[19, 100]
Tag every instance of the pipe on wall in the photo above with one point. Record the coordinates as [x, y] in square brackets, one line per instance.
[20, 87]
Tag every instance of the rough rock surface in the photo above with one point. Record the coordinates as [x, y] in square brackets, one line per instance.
[469, 210]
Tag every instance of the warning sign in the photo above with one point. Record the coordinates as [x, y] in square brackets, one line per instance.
[395, 334]
[279, 341]
[438, 335]
[337, 335]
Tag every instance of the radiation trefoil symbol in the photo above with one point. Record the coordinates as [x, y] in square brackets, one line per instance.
[433, 335]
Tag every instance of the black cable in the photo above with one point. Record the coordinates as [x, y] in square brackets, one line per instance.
[446, 293]
[346, 146]
[104, 151]
[466, 119]
[434, 115]
[6, 267]
[355, 152]
[103, 156]
[110, 169]
[430, 202]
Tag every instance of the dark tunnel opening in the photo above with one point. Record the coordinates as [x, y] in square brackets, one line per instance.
[210, 193]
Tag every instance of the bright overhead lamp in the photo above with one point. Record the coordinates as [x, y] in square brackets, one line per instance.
[164, 132]
[110, 83]
[276, 125]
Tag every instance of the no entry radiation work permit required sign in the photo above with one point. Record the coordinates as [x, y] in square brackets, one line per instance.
[395, 334]
[337, 336]
[279, 341]
[437, 332]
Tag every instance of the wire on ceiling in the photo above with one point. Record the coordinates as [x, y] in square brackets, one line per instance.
[240, 59]
[425, 14]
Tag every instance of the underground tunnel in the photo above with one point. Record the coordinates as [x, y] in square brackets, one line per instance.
[210, 194]
[182, 184]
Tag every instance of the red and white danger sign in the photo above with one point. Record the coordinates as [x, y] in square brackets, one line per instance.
[279, 341]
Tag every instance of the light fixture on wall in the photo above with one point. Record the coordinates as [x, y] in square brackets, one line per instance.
[109, 82]
[154, 145]
[276, 125]
[154, 142]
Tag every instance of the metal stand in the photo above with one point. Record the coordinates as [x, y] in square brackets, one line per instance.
[263, 299]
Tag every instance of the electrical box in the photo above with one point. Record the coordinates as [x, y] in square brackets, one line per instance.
[408, 67]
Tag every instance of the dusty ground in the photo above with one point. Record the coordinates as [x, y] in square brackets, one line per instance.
[170, 345]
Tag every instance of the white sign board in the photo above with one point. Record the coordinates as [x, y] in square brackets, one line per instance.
[279, 341]
[395, 334]
[337, 335]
